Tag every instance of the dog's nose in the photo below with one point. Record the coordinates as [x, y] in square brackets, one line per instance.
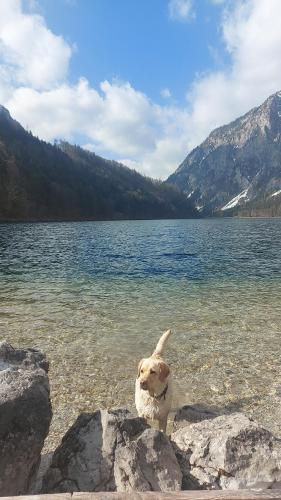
[143, 384]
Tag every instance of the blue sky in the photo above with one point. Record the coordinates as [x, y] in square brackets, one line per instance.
[138, 41]
[139, 81]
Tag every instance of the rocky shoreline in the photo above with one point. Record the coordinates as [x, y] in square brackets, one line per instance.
[113, 450]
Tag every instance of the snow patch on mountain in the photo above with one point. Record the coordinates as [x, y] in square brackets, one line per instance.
[235, 201]
[276, 193]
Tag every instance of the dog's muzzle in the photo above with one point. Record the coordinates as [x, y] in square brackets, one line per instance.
[144, 385]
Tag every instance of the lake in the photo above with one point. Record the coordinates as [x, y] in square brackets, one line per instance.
[95, 296]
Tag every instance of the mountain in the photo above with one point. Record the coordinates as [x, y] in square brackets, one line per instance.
[40, 181]
[237, 169]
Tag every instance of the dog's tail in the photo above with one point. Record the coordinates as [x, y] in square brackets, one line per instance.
[161, 343]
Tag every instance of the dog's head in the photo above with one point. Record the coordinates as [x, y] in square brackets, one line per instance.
[152, 374]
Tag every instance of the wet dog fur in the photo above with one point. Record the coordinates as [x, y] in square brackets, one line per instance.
[153, 389]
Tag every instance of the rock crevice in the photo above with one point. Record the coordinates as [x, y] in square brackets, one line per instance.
[113, 451]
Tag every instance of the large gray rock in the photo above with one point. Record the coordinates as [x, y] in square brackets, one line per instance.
[25, 416]
[228, 452]
[113, 451]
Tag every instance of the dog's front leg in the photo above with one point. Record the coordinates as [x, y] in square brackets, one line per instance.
[163, 424]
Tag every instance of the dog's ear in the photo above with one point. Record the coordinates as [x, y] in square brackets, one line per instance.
[164, 371]
[139, 366]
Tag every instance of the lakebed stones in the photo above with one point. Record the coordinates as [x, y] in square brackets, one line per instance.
[113, 451]
[25, 416]
[228, 452]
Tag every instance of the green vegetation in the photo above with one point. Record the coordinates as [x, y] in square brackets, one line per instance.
[39, 181]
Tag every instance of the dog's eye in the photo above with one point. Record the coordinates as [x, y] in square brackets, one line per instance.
[152, 372]
[141, 371]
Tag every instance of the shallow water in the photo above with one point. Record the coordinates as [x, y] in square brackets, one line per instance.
[95, 297]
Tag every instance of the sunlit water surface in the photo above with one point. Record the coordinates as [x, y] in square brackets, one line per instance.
[95, 296]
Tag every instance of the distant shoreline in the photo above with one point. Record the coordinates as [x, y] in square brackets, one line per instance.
[21, 221]
[47, 221]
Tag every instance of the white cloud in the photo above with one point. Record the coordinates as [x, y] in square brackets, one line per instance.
[252, 36]
[181, 10]
[166, 93]
[120, 122]
[126, 124]
[30, 53]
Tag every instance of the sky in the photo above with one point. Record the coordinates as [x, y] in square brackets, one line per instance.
[139, 81]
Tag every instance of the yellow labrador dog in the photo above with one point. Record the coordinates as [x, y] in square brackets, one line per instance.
[153, 394]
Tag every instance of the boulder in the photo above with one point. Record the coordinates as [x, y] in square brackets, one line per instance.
[113, 451]
[190, 414]
[25, 416]
[228, 452]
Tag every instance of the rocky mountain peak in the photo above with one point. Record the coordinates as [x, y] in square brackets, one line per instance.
[238, 163]
[259, 120]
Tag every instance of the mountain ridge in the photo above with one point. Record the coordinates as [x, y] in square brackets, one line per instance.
[238, 167]
[41, 181]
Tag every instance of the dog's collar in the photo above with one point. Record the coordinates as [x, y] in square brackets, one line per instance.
[163, 394]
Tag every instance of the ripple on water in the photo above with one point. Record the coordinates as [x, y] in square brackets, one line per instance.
[95, 297]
